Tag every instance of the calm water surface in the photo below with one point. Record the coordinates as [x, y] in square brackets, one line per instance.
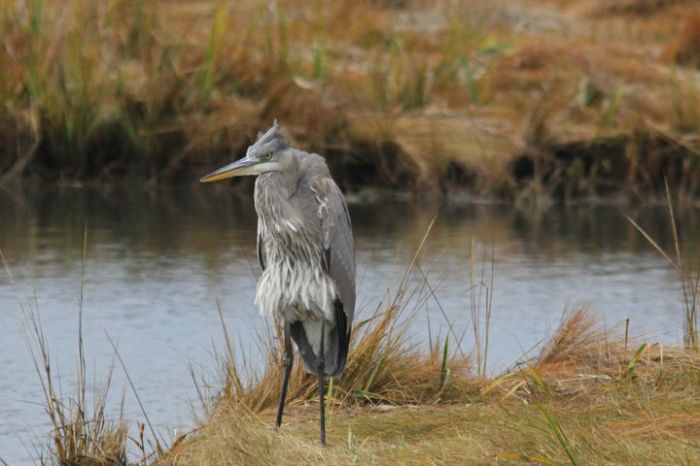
[157, 264]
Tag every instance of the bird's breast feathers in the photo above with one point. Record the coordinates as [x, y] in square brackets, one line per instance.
[295, 292]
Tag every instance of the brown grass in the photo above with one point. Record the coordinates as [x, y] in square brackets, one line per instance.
[609, 405]
[81, 434]
[686, 50]
[404, 95]
[591, 396]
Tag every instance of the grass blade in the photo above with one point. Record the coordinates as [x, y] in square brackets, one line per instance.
[444, 370]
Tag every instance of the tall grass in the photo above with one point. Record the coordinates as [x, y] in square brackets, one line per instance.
[383, 368]
[688, 273]
[563, 407]
[162, 90]
[213, 50]
[580, 366]
[81, 434]
[481, 288]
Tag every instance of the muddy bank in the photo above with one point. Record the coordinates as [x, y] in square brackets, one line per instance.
[628, 167]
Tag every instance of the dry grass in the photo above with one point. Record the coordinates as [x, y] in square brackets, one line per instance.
[584, 400]
[686, 50]
[81, 434]
[570, 96]
[688, 271]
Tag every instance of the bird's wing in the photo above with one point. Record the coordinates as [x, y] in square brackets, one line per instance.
[339, 257]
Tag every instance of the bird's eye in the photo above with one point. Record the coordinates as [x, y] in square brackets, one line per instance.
[268, 156]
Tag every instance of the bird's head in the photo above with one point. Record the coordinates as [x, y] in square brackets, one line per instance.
[269, 153]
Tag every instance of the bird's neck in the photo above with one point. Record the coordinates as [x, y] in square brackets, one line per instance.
[277, 184]
[282, 183]
[272, 194]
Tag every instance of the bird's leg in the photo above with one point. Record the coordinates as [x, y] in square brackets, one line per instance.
[320, 363]
[287, 361]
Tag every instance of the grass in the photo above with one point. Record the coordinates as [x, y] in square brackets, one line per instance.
[584, 400]
[688, 273]
[382, 367]
[591, 396]
[81, 433]
[572, 99]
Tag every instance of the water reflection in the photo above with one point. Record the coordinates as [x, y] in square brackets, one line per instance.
[210, 223]
[156, 263]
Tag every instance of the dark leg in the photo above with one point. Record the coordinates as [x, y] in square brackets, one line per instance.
[320, 363]
[287, 360]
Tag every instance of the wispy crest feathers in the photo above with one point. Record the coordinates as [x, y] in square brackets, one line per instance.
[273, 136]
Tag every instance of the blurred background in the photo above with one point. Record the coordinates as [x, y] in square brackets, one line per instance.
[531, 130]
[507, 99]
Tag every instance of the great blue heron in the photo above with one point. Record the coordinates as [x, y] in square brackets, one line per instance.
[306, 251]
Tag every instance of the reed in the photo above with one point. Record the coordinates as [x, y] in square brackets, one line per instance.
[82, 433]
[581, 401]
[688, 274]
[411, 96]
[545, 410]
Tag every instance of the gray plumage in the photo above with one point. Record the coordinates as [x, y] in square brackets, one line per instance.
[305, 248]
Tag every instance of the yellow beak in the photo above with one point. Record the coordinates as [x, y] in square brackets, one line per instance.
[240, 167]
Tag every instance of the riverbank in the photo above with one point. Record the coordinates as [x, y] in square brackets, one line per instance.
[586, 399]
[517, 100]
[622, 428]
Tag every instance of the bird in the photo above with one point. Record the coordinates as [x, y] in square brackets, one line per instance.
[306, 251]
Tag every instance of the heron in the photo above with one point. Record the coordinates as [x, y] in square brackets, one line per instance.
[306, 252]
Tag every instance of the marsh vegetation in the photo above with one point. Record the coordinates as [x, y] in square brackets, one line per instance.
[510, 100]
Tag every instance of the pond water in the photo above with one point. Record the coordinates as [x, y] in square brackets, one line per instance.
[156, 264]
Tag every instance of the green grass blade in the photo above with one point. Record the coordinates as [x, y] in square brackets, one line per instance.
[633, 361]
[559, 434]
[444, 370]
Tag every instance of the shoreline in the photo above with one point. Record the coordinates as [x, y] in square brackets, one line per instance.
[408, 96]
[371, 195]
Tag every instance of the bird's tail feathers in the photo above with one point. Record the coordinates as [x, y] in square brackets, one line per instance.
[307, 336]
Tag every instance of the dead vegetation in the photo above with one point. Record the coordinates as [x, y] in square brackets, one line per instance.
[81, 432]
[581, 401]
[423, 96]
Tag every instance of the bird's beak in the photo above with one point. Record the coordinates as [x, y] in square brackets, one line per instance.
[240, 167]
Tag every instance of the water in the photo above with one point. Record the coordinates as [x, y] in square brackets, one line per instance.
[155, 266]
